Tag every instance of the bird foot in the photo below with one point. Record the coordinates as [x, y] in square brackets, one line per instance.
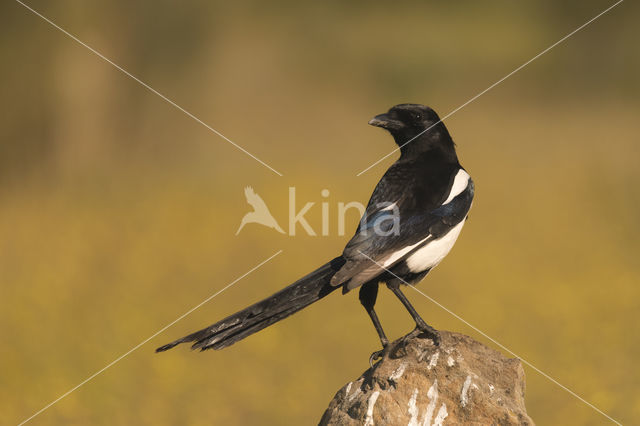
[426, 331]
[379, 354]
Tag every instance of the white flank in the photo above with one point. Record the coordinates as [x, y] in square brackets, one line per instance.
[433, 252]
[397, 255]
[460, 183]
[372, 401]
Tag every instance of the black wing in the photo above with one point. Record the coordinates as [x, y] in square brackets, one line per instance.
[379, 241]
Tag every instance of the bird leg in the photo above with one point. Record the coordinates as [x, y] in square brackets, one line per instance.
[421, 326]
[368, 295]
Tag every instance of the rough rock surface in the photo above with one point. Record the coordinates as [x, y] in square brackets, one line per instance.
[459, 382]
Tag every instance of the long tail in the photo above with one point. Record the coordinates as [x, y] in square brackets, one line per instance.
[287, 301]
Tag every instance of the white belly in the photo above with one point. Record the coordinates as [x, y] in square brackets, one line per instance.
[430, 255]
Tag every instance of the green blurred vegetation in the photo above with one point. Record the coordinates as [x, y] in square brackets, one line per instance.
[118, 212]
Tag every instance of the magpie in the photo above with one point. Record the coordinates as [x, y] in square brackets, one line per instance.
[411, 222]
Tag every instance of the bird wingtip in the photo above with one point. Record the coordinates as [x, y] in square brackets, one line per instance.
[165, 347]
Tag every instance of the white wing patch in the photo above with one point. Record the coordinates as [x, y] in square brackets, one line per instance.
[460, 183]
[433, 252]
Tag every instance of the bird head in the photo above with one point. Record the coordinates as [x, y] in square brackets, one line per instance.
[408, 121]
[406, 117]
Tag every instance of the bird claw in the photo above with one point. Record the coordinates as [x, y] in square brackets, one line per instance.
[428, 331]
[378, 355]
[436, 338]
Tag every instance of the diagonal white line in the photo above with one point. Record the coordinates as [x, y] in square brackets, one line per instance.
[147, 339]
[496, 83]
[146, 86]
[498, 343]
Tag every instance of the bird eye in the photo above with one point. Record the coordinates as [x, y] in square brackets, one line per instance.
[418, 117]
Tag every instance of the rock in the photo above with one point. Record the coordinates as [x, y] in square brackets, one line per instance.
[461, 381]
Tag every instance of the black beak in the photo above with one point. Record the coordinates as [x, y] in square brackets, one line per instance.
[385, 121]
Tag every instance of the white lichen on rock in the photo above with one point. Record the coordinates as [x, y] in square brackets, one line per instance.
[368, 421]
[413, 409]
[464, 395]
[442, 414]
[409, 386]
[433, 361]
[397, 373]
[432, 394]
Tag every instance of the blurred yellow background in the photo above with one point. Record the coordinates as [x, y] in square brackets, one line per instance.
[118, 212]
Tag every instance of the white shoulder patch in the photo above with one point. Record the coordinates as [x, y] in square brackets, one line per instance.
[389, 206]
[460, 183]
